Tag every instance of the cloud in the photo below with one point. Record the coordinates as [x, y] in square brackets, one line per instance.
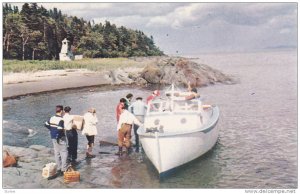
[179, 17]
[219, 26]
[197, 26]
[234, 13]
[183, 14]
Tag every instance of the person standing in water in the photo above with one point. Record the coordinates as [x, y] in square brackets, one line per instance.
[90, 130]
[138, 108]
[126, 121]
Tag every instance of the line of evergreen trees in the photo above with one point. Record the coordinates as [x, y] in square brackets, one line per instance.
[35, 33]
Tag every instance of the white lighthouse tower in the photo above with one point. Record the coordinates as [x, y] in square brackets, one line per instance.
[66, 53]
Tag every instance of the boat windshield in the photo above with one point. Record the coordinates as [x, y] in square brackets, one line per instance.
[159, 106]
[174, 106]
[186, 105]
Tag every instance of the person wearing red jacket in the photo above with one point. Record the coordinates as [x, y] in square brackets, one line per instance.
[153, 96]
[119, 108]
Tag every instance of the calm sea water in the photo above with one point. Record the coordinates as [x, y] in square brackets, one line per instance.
[257, 146]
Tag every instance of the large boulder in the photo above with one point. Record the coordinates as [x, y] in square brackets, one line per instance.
[152, 74]
[125, 76]
[180, 71]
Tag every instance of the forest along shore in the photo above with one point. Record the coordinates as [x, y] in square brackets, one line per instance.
[142, 71]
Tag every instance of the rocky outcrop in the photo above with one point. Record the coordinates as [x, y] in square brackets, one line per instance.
[180, 71]
[168, 70]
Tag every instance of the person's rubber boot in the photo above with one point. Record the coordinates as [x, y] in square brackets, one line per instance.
[128, 151]
[87, 150]
[89, 153]
[119, 153]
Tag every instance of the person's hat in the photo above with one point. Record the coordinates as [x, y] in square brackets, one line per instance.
[156, 92]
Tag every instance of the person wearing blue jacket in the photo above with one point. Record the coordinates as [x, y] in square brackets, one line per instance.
[138, 108]
[56, 127]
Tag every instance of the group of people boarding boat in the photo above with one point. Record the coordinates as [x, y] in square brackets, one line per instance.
[64, 128]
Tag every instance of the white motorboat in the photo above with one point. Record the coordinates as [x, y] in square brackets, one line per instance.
[177, 131]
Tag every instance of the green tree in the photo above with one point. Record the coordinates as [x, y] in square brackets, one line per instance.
[11, 27]
[36, 33]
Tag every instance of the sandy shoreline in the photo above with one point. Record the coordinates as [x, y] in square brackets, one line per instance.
[22, 84]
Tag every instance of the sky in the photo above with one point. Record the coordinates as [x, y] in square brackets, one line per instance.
[191, 28]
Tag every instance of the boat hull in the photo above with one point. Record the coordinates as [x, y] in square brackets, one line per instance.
[168, 151]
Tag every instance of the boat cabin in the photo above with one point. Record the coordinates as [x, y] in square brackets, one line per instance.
[174, 114]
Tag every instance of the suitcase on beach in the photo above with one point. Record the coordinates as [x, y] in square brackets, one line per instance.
[49, 170]
[71, 176]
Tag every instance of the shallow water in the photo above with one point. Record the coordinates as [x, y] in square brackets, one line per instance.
[257, 146]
